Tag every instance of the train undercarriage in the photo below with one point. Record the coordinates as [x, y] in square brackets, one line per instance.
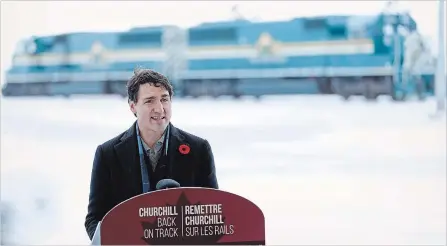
[369, 87]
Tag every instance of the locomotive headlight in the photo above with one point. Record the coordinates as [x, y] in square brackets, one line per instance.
[387, 34]
[388, 30]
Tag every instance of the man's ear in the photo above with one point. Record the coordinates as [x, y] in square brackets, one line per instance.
[132, 107]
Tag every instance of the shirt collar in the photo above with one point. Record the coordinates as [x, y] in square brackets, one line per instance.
[158, 144]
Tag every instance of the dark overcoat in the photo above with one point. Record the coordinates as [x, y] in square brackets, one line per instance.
[116, 173]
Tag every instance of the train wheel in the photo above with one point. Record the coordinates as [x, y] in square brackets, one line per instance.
[399, 97]
[371, 96]
[346, 97]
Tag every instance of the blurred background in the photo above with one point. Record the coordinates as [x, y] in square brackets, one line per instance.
[328, 115]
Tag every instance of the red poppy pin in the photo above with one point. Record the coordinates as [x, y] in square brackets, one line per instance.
[184, 149]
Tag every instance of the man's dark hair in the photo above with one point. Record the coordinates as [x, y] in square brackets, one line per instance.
[146, 76]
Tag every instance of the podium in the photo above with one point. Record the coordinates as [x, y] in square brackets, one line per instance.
[183, 216]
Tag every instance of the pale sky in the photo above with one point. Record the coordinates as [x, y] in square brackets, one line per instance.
[21, 19]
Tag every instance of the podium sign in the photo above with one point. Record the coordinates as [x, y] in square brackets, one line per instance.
[184, 216]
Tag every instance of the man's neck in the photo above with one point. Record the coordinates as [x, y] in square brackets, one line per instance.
[150, 137]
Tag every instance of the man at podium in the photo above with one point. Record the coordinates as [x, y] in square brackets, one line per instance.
[150, 150]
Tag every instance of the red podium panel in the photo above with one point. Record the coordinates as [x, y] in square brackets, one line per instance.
[184, 216]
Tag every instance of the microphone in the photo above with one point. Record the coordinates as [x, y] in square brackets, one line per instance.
[166, 184]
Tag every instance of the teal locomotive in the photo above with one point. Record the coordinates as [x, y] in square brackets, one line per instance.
[345, 55]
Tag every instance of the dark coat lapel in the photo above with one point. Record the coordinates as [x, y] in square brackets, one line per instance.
[175, 139]
[127, 152]
[180, 164]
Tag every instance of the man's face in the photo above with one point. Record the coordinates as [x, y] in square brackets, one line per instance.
[153, 108]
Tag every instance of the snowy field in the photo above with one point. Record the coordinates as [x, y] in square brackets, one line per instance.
[324, 171]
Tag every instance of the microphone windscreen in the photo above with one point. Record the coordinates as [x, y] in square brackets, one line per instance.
[166, 184]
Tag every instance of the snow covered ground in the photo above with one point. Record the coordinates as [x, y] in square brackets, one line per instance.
[324, 171]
